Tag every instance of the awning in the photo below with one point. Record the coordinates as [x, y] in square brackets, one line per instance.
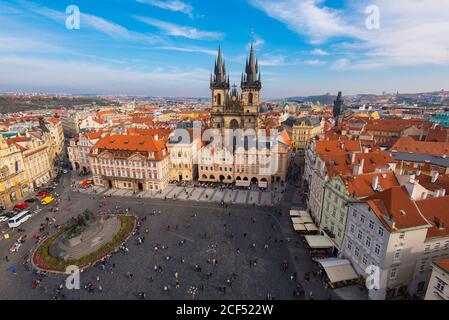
[318, 242]
[311, 227]
[296, 220]
[242, 183]
[295, 213]
[307, 219]
[299, 227]
[338, 270]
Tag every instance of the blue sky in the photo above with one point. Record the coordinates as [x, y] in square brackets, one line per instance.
[168, 47]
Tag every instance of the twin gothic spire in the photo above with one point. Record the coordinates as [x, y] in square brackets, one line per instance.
[251, 78]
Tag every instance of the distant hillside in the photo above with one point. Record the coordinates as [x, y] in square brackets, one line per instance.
[10, 103]
[323, 99]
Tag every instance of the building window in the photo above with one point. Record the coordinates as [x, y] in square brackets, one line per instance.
[393, 273]
[349, 244]
[352, 228]
[371, 224]
[365, 259]
[356, 251]
[440, 285]
[381, 232]
[397, 254]
[377, 249]
[368, 242]
[360, 235]
[362, 218]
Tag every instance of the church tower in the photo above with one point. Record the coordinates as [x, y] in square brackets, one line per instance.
[251, 84]
[229, 109]
[219, 84]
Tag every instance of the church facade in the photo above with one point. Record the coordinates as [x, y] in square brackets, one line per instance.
[248, 154]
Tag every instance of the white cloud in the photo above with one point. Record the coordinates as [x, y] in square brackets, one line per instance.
[26, 45]
[341, 64]
[175, 30]
[307, 17]
[269, 60]
[99, 24]
[412, 32]
[319, 52]
[82, 77]
[173, 5]
[190, 49]
[257, 42]
[315, 62]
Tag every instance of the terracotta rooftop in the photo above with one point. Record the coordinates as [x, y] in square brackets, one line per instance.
[443, 264]
[133, 143]
[336, 146]
[408, 144]
[361, 185]
[397, 204]
[436, 211]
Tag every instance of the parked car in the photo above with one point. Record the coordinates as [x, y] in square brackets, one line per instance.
[31, 200]
[47, 200]
[42, 194]
[3, 218]
[21, 206]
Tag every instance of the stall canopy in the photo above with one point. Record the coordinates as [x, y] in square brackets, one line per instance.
[299, 227]
[242, 183]
[304, 214]
[307, 219]
[338, 270]
[311, 227]
[295, 213]
[318, 242]
[297, 220]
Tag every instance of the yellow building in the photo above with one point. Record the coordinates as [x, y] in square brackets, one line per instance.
[13, 179]
[54, 125]
[302, 130]
[36, 159]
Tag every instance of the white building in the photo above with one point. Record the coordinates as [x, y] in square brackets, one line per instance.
[388, 231]
[438, 288]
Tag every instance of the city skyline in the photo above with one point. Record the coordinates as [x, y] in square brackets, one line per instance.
[167, 48]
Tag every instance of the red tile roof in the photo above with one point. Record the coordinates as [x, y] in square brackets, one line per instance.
[132, 143]
[436, 210]
[374, 160]
[337, 147]
[408, 144]
[396, 203]
[360, 186]
[443, 264]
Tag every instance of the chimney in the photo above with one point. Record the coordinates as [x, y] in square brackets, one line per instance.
[352, 157]
[361, 165]
[342, 145]
[156, 137]
[375, 183]
[435, 176]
